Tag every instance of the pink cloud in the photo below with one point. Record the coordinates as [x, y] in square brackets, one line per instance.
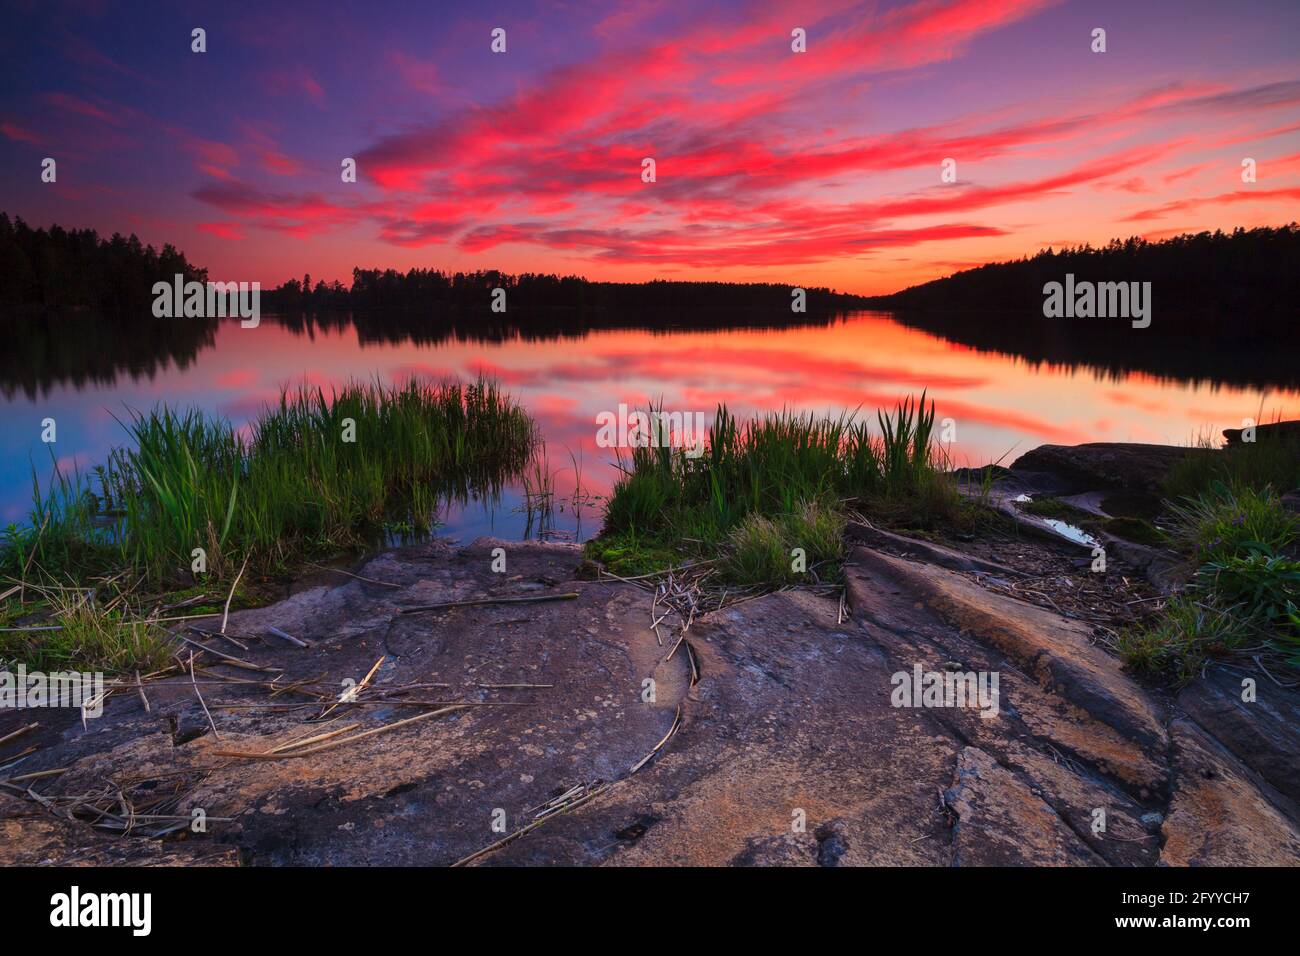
[222, 230]
[20, 135]
[419, 75]
[296, 79]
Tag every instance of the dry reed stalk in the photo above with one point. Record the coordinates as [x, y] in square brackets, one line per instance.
[225, 614]
[330, 745]
[211, 722]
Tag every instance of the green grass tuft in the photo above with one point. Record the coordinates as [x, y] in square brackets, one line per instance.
[1135, 529]
[1245, 592]
[1178, 643]
[762, 484]
[293, 486]
[1228, 520]
[89, 635]
[761, 551]
[1258, 464]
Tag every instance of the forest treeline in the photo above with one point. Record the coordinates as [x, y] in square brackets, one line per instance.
[77, 270]
[1246, 270]
[1230, 297]
[435, 291]
[1245, 273]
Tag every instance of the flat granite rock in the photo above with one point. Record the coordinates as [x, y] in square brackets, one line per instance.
[1000, 821]
[1219, 814]
[31, 836]
[1263, 733]
[769, 737]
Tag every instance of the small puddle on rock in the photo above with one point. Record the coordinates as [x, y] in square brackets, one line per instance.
[1077, 535]
[1063, 528]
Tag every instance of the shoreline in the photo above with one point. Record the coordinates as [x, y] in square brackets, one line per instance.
[801, 679]
[600, 700]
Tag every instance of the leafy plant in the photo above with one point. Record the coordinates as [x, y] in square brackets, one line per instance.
[1227, 520]
[1268, 584]
[1178, 642]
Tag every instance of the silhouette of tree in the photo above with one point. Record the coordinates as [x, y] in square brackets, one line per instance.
[77, 270]
[433, 292]
[1209, 276]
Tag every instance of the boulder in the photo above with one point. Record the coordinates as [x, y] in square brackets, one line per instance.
[1088, 467]
[1273, 431]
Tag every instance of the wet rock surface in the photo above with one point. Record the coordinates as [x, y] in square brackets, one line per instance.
[771, 736]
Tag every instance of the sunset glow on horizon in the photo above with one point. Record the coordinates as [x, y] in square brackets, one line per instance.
[813, 168]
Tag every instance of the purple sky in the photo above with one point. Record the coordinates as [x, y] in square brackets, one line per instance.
[817, 168]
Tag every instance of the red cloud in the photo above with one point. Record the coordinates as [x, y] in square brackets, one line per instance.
[222, 230]
[755, 169]
[1241, 195]
[19, 135]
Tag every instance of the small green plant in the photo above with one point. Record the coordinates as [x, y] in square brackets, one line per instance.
[313, 475]
[1135, 529]
[1258, 464]
[757, 553]
[80, 634]
[761, 551]
[906, 451]
[630, 554]
[770, 465]
[776, 468]
[1227, 520]
[1049, 507]
[1177, 644]
[1246, 590]
[1268, 584]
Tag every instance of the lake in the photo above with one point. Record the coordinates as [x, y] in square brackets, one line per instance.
[87, 376]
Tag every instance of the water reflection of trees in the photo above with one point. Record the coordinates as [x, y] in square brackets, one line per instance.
[400, 328]
[42, 351]
[77, 308]
[1231, 352]
[45, 350]
[1223, 307]
[427, 306]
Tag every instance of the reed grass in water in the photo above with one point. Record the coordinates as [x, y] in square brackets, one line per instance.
[770, 483]
[315, 474]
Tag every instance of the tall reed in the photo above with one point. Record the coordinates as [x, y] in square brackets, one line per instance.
[312, 474]
[774, 465]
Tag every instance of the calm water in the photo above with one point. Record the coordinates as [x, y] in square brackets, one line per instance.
[1001, 404]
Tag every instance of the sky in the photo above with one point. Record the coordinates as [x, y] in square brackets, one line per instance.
[815, 168]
